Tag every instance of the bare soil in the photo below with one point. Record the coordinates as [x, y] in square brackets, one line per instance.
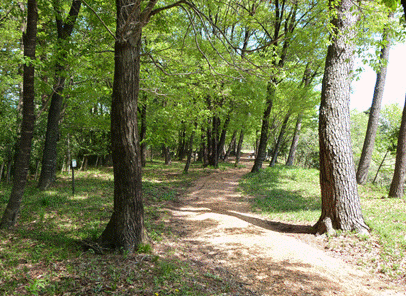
[217, 233]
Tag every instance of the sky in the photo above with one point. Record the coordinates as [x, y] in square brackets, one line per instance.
[395, 86]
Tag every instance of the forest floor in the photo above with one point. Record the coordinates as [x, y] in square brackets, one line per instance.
[217, 233]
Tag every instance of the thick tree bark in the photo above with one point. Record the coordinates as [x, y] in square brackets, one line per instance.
[260, 157]
[398, 180]
[341, 208]
[373, 121]
[295, 141]
[280, 139]
[12, 210]
[49, 157]
[126, 228]
[239, 147]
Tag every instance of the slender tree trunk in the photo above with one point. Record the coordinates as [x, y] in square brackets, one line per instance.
[1, 170]
[280, 139]
[231, 146]
[260, 157]
[12, 210]
[214, 142]
[205, 157]
[222, 140]
[189, 154]
[380, 166]
[49, 157]
[143, 134]
[398, 180]
[373, 121]
[341, 208]
[295, 141]
[239, 147]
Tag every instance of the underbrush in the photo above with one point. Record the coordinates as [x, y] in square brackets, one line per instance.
[42, 254]
[292, 194]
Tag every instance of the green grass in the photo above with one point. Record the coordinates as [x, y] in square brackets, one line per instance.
[292, 194]
[41, 255]
[285, 193]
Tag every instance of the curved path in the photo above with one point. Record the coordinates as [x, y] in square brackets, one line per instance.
[217, 229]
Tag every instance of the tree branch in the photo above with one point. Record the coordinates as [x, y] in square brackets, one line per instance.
[103, 23]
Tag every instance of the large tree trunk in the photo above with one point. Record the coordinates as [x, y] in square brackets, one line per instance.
[341, 208]
[126, 226]
[398, 180]
[369, 142]
[49, 157]
[280, 139]
[10, 215]
[260, 157]
[295, 141]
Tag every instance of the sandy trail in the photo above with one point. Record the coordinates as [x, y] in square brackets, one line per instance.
[217, 229]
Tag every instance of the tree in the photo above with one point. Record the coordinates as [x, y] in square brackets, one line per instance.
[126, 229]
[10, 215]
[369, 142]
[396, 187]
[341, 208]
[64, 29]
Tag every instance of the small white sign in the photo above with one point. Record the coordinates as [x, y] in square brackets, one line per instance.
[73, 163]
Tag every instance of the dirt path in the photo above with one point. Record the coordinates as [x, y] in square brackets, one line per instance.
[218, 232]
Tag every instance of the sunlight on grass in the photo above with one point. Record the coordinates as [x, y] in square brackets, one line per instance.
[292, 194]
[41, 255]
[284, 193]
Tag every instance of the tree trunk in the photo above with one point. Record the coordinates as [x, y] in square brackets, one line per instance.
[239, 147]
[182, 143]
[222, 140]
[295, 141]
[1, 170]
[373, 121]
[205, 157]
[260, 157]
[398, 180]
[49, 157]
[341, 208]
[12, 210]
[167, 154]
[143, 133]
[126, 228]
[213, 142]
[231, 146]
[380, 166]
[280, 139]
[189, 153]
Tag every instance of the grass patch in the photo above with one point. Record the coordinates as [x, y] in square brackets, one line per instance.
[292, 194]
[41, 256]
[285, 193]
